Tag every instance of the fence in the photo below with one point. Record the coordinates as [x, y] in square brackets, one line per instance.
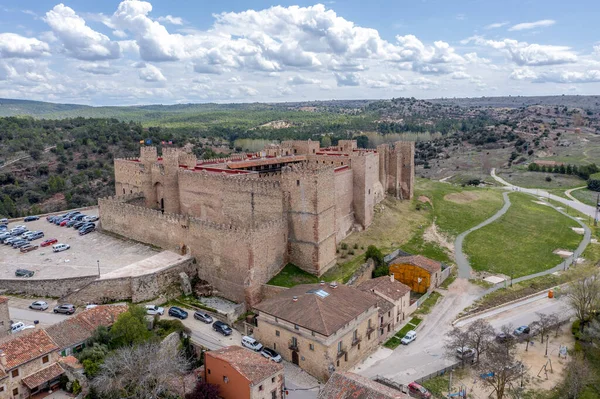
[438, 373]
[395, 254]
[423, 298]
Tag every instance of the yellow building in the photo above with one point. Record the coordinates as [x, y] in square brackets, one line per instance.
[421, 274]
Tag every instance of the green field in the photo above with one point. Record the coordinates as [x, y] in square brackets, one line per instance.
[524, 178]
[586, 196]
[522, 241]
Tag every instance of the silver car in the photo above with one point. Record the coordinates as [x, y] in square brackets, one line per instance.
[39, 305]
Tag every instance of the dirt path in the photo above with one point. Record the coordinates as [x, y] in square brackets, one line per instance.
[568, 193]
[432, 234]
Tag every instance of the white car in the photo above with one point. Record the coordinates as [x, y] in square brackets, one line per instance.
[39, 305]
[409, 337]
[91, 306]
[251, 343]
[153, 309]
[19, 326]
[60, 247]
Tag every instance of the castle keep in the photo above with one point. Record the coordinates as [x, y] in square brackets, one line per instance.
[244, 217]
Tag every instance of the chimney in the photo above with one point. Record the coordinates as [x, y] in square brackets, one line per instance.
[392, 277]
[295, 299]
[333, 285]
[322, 282]
[3, 360]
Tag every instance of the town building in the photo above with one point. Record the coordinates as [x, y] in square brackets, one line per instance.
[421, 274]
[393, 302]
[71, 334]
[349, 385]
[243, 374]
[28, 364]
[319, 327]
[245, 217]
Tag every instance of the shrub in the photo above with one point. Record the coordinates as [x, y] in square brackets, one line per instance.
[548, 179]
[351, 252]
[355, 246]
[374, 253]
[594, 182]
[381, 271]
[575, 328]
[344, 246]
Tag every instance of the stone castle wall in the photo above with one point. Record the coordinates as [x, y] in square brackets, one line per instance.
[344, 211]
[233, 259]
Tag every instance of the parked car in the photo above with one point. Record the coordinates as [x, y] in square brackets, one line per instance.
[251, 343]
[202, 316]
[28, 248]
[409, 337]
[19, 326]
[64, 222]
[60, 247]
[153, 309]
[36, 235]
[48, 242]
[521, 330]
[71, 222]
[418, 391]
[4, 220]
[11, 239]
[4, 236]
[24, 273]
[66, 308]
[86, 229]
[93, 218]
[79, 224]
[503, 337]
[31, 218]
[39, 305]
[465, 353]
[90, 306]
[20, 243]
[178, 312]
[222, 328]
[271, 354]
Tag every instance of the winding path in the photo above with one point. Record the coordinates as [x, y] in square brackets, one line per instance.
[464, 268]
[568, 193]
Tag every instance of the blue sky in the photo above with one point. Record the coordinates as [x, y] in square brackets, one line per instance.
[139, 52]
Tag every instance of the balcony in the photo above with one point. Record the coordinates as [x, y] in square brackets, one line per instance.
[293, 346]
[370, 330]
[356, 340]
[341, 353]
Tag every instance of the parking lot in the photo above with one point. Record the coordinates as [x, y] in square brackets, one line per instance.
[80, 260]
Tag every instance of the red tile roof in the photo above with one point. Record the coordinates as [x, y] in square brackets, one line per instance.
[318, 307]
[3, 299]
[27, 347]
[44, 375]
[393, 289]
[251, 365]
[349, 385]
[430, 265]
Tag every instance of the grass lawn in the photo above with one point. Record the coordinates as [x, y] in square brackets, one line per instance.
[292, 275]
[586, 196]
[456, 208]
[521, 242]
[429, 303]
[450, 279]
[417, 245]
[394, 342]
[525, 178]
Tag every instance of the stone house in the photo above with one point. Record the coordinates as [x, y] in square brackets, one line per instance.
[350, 385]
[243, 374]
[321, 328]
[71, 334]
[393, 299]
[28, 364]
[421, 274]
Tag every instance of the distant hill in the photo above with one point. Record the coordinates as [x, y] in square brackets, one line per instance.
[585, 102]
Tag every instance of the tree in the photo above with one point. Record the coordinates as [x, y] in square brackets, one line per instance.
[374, 253]
[140, 372]
[204, 390]
[130, 327]
[481, 334]
[362, 141]
[545, 323]
[325, 141]
[457, 340]
[501, 368]
[579, 375]
[583, 295]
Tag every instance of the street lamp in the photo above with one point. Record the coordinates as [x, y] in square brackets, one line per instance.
[98, 267]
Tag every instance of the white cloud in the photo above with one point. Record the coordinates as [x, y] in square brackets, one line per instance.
[523, 74]
[523, 53]
[98, 69]
[150, 73]
[347, 79]
[532, 25]
[79, 40]
[17, 46]
[436, 59]
[496, 25]
[119, 33]
[596, 50]
[301, 80]
[460, 75]
[171, 20]
[590, 76]
[247, 91]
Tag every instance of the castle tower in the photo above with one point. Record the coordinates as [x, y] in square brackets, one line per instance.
[167, 191]
[397, 168]
[148, 155]
[406, 152]
[310, 205]
[366, 171]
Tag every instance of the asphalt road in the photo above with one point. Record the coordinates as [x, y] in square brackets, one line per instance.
[27, 316]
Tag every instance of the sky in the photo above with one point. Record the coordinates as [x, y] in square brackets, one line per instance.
[166, 52]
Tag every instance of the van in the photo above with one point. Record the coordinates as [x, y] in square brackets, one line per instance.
[35, 235]
[19, 326]
[251, 343]
[60, 247]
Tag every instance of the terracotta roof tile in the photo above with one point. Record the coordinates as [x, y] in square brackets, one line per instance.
[26, 347]
[324, 312]
[253, 366]
[430, 265]
[44, 375]
[384, 285]
[350, 385]
[3, 299]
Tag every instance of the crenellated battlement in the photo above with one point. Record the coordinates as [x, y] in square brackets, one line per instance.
[241, 182]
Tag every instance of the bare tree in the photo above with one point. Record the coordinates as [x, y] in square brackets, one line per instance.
[481, 334]
[500, 368]
[544, 324]
[584, 297]
[457, 339]
[578, 376]
[140, 372]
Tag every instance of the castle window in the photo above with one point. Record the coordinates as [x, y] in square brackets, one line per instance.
[15, 373]
[311, 347]
[123, 191]
[130, 191]
[369, 191]
[297, 182]
[277, 333]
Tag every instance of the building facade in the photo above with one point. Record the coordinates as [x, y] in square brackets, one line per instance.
[321, 328]
[421, 274]
[244, 217]
[243, 374]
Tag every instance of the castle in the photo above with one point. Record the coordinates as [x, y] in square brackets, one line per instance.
[244, 217]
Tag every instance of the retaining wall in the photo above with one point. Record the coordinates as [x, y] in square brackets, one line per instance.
[45, 287]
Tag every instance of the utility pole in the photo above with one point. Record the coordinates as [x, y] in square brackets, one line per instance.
[98, 267]
[597, 208]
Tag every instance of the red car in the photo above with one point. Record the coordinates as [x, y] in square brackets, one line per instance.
[418, 391]
[64, 222]
[49, 242]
